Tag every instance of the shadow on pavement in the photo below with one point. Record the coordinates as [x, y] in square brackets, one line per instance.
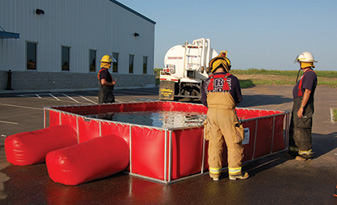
[323, 143]
[258, 100]
[265, 163]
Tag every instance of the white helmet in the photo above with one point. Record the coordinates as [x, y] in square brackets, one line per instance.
[305, 57]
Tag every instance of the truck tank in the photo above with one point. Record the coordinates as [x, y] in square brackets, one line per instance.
[185, 69]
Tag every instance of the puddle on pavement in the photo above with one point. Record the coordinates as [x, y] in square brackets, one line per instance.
[161, 119]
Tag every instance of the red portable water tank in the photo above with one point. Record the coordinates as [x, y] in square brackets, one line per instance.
[94, 159]
[29, 148]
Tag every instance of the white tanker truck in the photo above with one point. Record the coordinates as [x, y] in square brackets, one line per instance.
[185, 69]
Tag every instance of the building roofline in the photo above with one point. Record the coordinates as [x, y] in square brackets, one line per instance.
[133, 11]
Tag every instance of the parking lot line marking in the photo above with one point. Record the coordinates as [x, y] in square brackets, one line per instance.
[87, 99]
[19, 106]
[7, 122]
[70, 98]
[54, 97]
[38, 96]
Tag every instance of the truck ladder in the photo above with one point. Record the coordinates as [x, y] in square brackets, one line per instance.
[192, 59]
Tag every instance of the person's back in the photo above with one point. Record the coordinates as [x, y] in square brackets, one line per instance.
[220, 93]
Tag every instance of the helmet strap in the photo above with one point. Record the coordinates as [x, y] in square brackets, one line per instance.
[298, 74]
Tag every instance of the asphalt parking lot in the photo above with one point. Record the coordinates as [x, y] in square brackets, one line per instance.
[277, 179]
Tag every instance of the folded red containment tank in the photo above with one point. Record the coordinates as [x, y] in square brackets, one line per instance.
[94, 159]
[29, 148]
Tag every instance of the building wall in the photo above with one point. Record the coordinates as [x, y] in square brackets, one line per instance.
[102, 25]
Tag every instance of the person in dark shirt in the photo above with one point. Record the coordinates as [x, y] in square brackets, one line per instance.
[300, 141]
[106, 82]
[221, 93]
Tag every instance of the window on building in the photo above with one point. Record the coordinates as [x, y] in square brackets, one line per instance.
[144, 64]
[31, 56]
[115, 64]
[92, 60]
[131, 63]
[65, 58]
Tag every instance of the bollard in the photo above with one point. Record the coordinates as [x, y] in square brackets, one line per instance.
[9, 80]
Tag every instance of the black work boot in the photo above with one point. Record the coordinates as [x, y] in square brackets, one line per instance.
[215, 177]
[303, 157]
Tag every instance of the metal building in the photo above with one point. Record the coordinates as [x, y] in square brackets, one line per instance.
[48, 44]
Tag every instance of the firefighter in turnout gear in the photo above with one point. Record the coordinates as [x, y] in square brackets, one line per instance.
[105, 81]
[221, 93]
[300, 142]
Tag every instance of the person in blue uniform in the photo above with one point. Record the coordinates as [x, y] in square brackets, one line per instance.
[300, 141]
[106, 81]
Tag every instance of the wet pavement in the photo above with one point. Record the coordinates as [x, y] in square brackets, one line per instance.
[277, 179]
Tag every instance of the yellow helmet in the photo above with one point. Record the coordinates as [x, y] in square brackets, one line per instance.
[220, 60]
[106, 59]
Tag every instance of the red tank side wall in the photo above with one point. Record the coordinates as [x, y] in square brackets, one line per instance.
[186, 152]
[264, 137]
[87, 129]
[54, 118]
[249, 148]
[147, 152]
[279, 135]
[121, 130]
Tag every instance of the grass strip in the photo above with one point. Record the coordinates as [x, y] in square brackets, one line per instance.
[281, 77]
[334, 114]
[255, 71]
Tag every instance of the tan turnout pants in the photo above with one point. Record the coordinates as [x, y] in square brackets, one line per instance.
[223, 125]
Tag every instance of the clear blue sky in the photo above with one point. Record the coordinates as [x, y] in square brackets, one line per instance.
[266, 34]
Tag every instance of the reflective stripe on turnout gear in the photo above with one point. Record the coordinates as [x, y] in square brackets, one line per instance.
[300, 94]
[234, 170]
[293, 149]
[211, 82]
[213, 170]
[308, 152]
